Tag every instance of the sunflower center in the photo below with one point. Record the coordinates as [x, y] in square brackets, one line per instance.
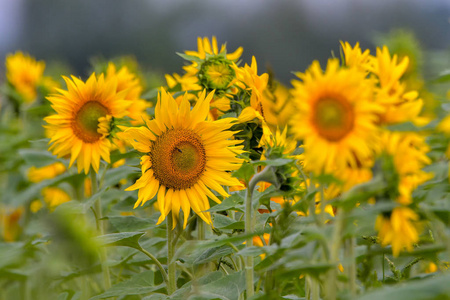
[216, 73]
[333, 118]
[85, 123]
[178, 158]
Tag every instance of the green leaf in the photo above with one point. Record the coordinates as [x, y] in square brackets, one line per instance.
[226, 288]
[113, 176]
[233, 202]
[156, 296]
[185, 291]
[128, 239]
[251, 251]
[425, 289]
[11, 253]
[443, 77]
[189, 57]
[130, 223]
[212, 254]
[406, 126]
[32, 191]
[245, 172]
[277, 162]
[224, 222]
[139, 284]
[37, 158]
[151, 94]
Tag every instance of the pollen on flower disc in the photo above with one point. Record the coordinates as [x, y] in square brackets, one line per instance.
[85, 121]
[178, 158]
[333, 117]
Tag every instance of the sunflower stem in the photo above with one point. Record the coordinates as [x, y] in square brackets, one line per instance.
[172, 286]
[101, 231]
[158, 264]
[268, 175]
[201, 229]
[350, 269]
[248, 230]
[334, 254]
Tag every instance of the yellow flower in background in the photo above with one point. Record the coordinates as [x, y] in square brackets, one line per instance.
[36, 205]
[24, 73]
[184, 83]
[354, 57]
[398, 229]
[409, 153]
[76, 122]
[54, 196]
[257, 241]
[186, 155]
[277, 105]
[11, 228]
[431, 268]
[247, 79]
[129, 83]
[47, 172]
[400, 105]
[336, 117]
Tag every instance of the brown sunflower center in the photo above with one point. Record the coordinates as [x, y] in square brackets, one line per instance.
[178, 158]
[333, 118]
[85, 123]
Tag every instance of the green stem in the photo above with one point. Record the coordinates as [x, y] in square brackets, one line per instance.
[172, 286]
[158, 264]
[350, 268]
[237, 250]
[334, 255]
[248, 230]
[315, 291]
[268, 175]
[101, 231]
[200, 229]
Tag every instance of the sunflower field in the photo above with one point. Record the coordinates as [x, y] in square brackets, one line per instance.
[221, 182]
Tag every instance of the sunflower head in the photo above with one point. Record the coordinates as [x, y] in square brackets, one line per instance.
[131, 85]
[406, 153]
[398, 229]
[185, 155]
[216, 73]
[47, 172]
[211, 68]
[76, 126]
[54, 196]
[24, 73]
[336, 117]
[354, 57]
[11, 229]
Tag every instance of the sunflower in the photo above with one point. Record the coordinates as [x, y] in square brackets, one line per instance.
[212, 68]
[398, 229]
[129, 82]
[11, 227]
[24, 73]
[76, 122]
[247, 79]
[54, 196]
[336, 117]
[409, 156]
[354, 57]
[46, 172]
[400, 105]
[186, 155]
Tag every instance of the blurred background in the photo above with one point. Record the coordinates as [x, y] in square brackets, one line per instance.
[284, 35]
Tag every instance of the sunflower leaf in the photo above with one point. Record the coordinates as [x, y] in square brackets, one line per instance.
[128, 239]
